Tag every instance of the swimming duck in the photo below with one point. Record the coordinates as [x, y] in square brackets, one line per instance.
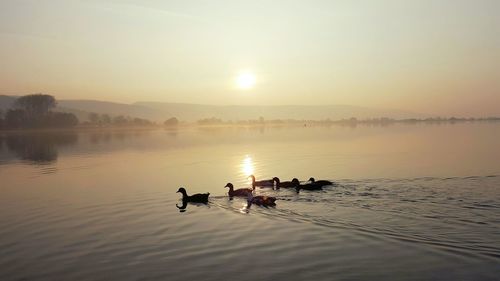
[243, 192]
[261, 183]
[196, 198]
[260, 200]
[320, 182]
[286, 184]
[308, 186]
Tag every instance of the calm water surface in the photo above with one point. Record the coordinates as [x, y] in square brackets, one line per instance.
[412, 202]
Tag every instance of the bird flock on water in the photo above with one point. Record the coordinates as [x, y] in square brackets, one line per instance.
[260, 200]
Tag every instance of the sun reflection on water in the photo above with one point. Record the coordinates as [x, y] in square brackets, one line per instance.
[247, 166]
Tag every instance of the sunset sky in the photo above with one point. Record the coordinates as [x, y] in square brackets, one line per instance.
[435, 57]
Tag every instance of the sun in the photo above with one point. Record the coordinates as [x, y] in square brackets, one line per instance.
[245, 80]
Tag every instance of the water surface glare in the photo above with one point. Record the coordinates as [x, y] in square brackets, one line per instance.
[410, 202]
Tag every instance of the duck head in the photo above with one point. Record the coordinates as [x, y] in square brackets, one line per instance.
[296, 181]
[311, 179]
[277, 180]
[182, 190]
[253, 180]
[230, 185]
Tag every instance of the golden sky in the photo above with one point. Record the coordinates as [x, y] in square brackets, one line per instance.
[436, 57]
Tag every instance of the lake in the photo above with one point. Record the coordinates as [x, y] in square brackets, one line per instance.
[411, 202]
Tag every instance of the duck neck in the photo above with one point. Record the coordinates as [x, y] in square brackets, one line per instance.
[253, 181]
[184, 194]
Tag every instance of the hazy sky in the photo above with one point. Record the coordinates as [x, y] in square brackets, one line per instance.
[438, 57]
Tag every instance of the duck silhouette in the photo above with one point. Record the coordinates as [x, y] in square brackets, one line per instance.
[266, 201]
[286, 184]
[320, 182]
[195, 198]
[308, 186]
[241, 192]
[261, 183]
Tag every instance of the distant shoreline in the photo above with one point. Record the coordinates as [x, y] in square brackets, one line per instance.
[382, 122]
[81, 129]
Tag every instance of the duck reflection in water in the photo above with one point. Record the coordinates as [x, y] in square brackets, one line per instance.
[196, 199]
[182, 208]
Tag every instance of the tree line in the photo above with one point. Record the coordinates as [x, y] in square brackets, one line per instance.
[383, 121]
[35, 111]
[104, 120]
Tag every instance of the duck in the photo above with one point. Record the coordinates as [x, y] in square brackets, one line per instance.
[195, 198]
[261, 183]
[320, 182]
[308, 186]
[266, 201]
[286, 184]
[242, 192]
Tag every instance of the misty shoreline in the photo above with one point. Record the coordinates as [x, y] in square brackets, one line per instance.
[353, 122]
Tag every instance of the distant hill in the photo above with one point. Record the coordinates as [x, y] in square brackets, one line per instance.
[111, 108]
[192, 112]
[158, 111]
